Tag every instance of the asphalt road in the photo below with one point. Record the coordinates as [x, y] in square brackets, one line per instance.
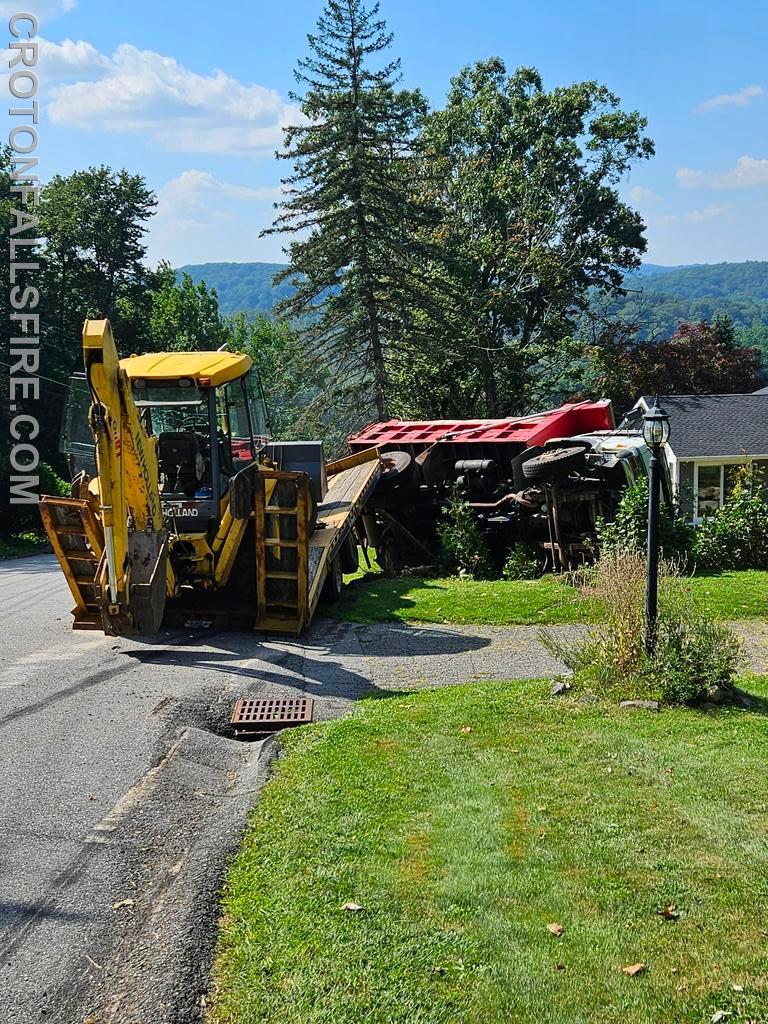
[122, 795]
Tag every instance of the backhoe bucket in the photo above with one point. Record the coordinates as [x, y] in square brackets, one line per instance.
[148, 556]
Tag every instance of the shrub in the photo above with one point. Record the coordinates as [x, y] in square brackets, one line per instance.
[463, 546]
[20, 519]
[691, 652]
[522, 563]
[628, 530]
[736, 535]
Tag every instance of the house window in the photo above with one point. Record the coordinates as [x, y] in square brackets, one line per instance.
[709, 490]
[704, 487]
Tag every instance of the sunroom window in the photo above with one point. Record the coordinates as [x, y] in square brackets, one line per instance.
[709, 490]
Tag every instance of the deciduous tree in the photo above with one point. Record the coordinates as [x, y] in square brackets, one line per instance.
[532, 223]
[698, 359]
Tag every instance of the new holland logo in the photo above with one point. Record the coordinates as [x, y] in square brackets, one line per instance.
[174, 508]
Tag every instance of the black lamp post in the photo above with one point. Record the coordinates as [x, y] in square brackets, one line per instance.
[655, 434]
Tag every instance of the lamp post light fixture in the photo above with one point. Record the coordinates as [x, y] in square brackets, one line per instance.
[655, 434]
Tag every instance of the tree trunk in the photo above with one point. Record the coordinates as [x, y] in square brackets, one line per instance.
[377, 354]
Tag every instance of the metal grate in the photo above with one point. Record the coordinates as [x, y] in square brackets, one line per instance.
[269, 714]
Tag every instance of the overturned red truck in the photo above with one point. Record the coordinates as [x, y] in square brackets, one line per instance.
[542, 479]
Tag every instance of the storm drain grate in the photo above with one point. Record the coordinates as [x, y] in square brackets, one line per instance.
[268, 714]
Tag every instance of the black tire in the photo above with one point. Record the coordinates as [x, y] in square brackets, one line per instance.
[398, 468]
[348, 555]
[334, 582]
[400, 478]
[554, 463]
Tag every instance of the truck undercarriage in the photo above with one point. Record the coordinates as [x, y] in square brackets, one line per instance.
[541, 480]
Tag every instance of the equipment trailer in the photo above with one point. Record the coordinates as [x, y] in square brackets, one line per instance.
[191, 513]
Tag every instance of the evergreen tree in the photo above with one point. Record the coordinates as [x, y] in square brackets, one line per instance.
[353, 201]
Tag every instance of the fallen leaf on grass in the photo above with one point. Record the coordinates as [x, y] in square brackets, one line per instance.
[123, 903]
[719, 1015]
[669, 912]
[467, 728]
[633, 969]
[353, 908]
[556, 929]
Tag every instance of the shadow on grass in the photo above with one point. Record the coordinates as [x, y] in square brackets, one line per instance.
[378, 598]
[745, 685]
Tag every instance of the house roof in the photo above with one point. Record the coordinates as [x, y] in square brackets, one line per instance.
[712, 425]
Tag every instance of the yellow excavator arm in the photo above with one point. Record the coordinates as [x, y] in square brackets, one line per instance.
[138, 574]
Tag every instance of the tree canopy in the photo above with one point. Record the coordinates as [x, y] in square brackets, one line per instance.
[531, 222]
[698, 359]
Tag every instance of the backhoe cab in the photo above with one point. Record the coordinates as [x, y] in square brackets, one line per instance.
[209, 420]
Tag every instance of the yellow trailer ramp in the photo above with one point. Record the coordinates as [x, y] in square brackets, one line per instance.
[296, 545]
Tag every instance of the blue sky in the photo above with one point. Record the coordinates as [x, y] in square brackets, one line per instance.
[192, 95]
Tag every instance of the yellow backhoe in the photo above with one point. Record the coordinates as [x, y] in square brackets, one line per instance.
[182, 508]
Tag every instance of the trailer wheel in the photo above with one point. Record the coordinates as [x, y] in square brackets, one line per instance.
[334, 582]
[348, 556]
[554, 463]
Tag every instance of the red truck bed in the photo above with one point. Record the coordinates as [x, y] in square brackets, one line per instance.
[527, 431]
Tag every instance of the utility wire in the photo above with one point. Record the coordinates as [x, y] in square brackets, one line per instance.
[51, 380]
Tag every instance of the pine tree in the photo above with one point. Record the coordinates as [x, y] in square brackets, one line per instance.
[353, 201]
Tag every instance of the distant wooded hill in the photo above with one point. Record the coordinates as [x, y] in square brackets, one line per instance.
[665, 295]
[241, 287]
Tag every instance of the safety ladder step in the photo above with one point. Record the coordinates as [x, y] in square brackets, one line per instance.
[68, 531]
[273, 575]
[275, 542]
[281, 510]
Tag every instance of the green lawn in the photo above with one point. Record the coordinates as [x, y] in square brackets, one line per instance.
[373, 597]
[465, 821]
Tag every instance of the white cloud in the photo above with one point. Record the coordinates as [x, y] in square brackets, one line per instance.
[733, 99]
[748, 173]
[42, 9]
[194, 189]
[65, 61]
[142, 92]
[59, 61]
[708, 213]
[639, 194]
[202, 219]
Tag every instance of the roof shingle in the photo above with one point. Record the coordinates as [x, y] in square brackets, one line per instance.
[712, 425]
